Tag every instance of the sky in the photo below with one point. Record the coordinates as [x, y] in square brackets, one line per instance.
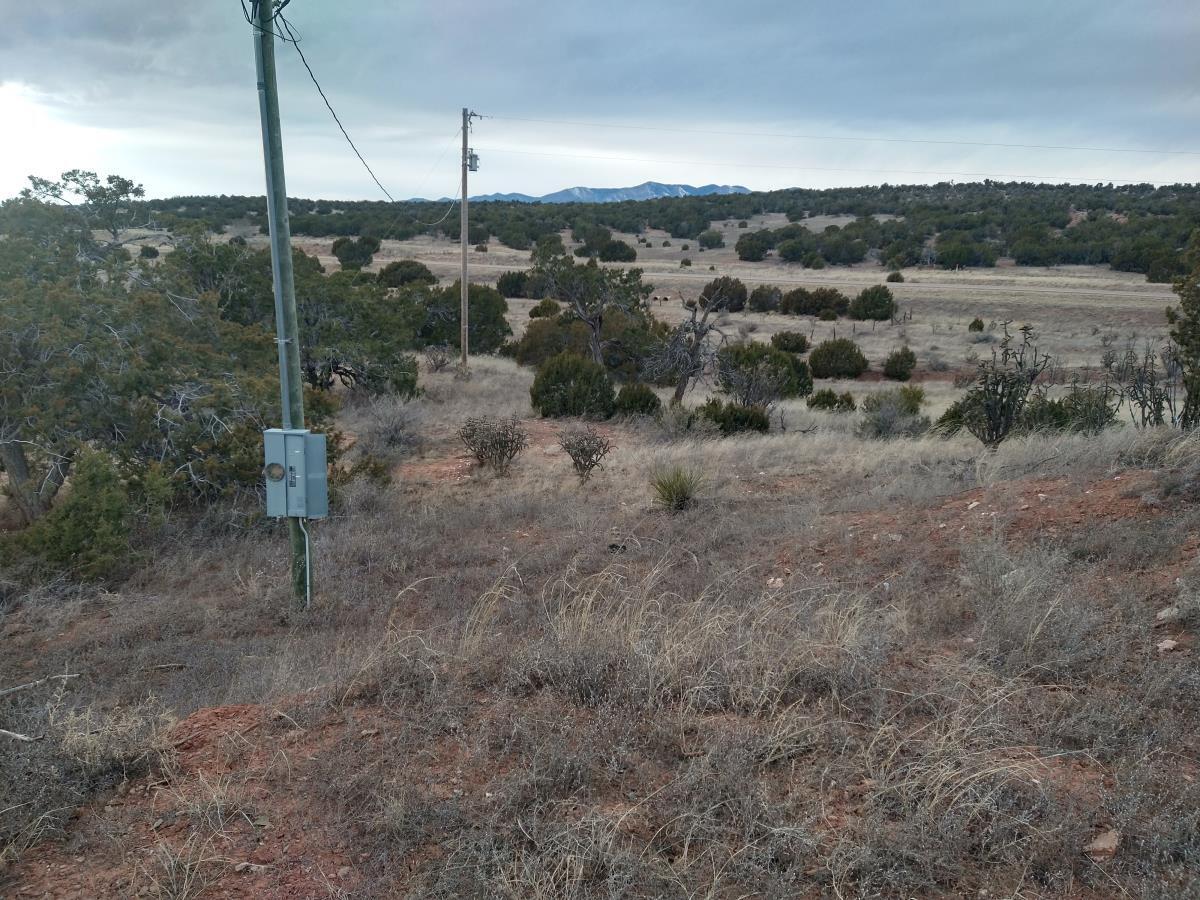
[757, 93]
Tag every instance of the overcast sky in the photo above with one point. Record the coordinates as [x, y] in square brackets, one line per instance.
[165, 92]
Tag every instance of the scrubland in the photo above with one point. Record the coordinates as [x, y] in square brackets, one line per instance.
[849, 668]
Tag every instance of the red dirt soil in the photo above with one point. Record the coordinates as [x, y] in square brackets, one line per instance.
[287, 846]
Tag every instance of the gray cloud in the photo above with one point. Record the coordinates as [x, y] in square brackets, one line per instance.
[165, 91]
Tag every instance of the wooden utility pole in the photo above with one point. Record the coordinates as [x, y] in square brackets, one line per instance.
[470, 163]
[287, 337]
[462, 238]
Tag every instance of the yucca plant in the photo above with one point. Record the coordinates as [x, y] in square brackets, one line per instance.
[676, 487]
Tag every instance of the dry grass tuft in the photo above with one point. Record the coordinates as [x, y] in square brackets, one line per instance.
[609, 638]
[101, 740]
[182, 872]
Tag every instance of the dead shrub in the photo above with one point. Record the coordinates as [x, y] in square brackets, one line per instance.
[494, 443]
[392, 428]
[586, 447]
[437, 358]
[101, 741]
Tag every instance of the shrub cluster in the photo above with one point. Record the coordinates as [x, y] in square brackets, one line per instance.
[405, 271]
[759, 374]
[873, 304]
[617, 251]
[790, 342]
[437, 358]
[894, 413]
[765, 298]
[831, 400]
[732, 418]
[586, 447]
[87, 533]
[1085, 408]
[512, 284]
[726, 291]
[637, 399]
[545, 309]
[824, 303]
[837, 358]
[494, 443]
[569, 385]
[355, 253]
[900, 364]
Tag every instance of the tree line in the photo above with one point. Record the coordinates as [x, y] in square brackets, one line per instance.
[1136, 228]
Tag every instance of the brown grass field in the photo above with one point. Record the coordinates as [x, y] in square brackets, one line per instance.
[1073, 308]
[852, 668]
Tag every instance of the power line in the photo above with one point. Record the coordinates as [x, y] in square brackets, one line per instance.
[453, 203]
[295, 42]
[686, 162]
[445, 149]
[830, 137]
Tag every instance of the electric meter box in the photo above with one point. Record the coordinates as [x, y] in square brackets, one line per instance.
[295, 470]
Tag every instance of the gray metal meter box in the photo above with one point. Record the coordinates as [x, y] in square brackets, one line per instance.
[295, 471]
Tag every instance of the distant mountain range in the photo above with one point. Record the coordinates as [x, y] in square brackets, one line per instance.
[650, 190]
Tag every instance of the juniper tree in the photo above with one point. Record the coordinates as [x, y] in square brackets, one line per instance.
[590, 291]
[1185, 332]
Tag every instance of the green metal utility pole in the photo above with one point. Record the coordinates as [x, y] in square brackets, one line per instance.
[291, 387]
[462, 240]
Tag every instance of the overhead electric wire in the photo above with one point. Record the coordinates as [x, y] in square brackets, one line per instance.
[453, 203]
[445, 149]
[738, 165]
[830, 137]
[295, 42]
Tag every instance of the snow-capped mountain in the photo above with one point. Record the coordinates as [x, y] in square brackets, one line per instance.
[650, 190]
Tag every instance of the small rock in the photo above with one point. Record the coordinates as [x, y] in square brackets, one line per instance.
[1166, 645]
[972, 504]
[1169, 614]
[1104, 845]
